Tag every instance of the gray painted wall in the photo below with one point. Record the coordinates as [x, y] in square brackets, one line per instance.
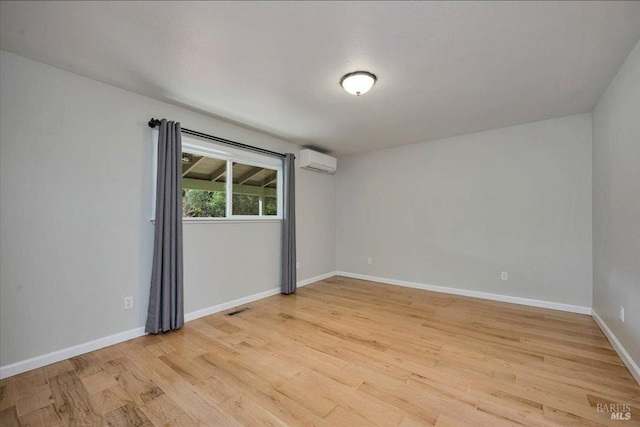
[75, 199]
[456, 212]
[616, 204]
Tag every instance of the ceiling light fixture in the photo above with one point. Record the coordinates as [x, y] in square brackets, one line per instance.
[358, 82]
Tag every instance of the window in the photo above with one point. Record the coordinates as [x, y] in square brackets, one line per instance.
[253, 187]
[203, 186]
[220, 182]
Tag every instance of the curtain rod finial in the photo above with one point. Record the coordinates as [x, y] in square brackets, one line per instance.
[153, 122]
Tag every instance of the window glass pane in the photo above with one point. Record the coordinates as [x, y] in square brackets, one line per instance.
[203, 186]
[245, 204]
[203, 204]
[270, 205]
[254, 190]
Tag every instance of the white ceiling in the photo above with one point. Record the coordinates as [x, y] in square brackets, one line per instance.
[444, 68]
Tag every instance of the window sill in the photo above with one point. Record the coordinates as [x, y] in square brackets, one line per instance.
[226, 220]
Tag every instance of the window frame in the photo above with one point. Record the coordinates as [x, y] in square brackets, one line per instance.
[194, 145]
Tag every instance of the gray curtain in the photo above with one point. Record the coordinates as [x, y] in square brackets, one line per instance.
[289, 227]
[166, 311]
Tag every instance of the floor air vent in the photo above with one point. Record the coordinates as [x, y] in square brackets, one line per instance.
[240, 310]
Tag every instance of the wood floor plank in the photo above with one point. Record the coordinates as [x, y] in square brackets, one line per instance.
[250, 413]
[191, 369]
[182, 421]
[199, 406]
[24, 383]
[98, 382]
[341, 352]
[109, 399]
[217, 389]
[128, 415]
[72, 402]
[428, 414]
[46, 416]
[39, 397]
[345, 417]
[9, 417]
[86, 364]
[7, 394]
[140, 390]
[162, 410]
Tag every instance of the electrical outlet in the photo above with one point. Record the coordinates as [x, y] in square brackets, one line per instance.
[622, 314]
[504, 275]
[369, 261]
[128, 303]
[297, 265]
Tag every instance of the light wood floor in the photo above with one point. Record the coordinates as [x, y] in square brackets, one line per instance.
[341, 352]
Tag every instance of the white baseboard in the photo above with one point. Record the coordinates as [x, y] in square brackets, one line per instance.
[314, 279]
[617, 346]
[66, 353]
[76, 350]
[483, 295]
[227, 305]
[251, 298]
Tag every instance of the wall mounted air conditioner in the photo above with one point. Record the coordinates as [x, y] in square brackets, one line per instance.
[318, 162]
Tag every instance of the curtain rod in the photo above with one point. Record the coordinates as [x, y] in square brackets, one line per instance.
[155, 122]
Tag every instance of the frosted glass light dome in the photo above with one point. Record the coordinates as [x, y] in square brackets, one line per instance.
[358, 82]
